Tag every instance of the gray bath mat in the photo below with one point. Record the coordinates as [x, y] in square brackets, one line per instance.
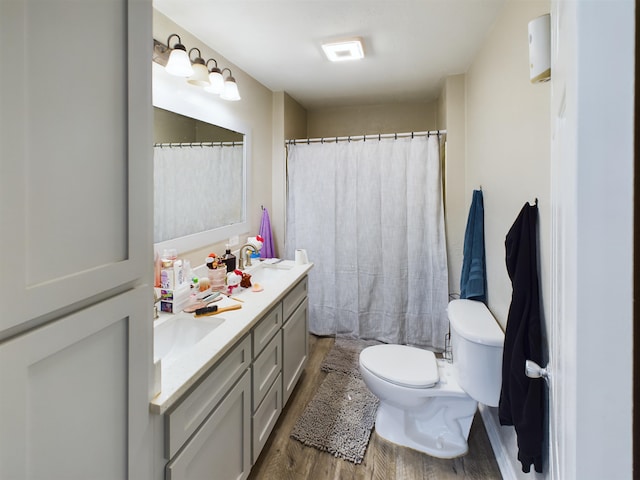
[344, 355]
[339, 418]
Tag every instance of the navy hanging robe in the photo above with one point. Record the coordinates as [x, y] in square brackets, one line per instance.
[521, 398]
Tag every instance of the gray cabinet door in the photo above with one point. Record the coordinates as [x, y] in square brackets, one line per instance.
[221, 448]
[295, 348]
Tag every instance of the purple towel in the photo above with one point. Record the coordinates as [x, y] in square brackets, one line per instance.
[267, 250]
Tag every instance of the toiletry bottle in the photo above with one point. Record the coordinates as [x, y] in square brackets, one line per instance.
[157, 269]
[229, 259]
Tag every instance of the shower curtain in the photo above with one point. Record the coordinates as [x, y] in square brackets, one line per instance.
[370, 215]
[196, 188]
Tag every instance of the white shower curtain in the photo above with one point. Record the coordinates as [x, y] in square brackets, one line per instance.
[196, 188]
[370, 215]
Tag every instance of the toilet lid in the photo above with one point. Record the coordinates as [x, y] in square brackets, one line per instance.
[403, 365]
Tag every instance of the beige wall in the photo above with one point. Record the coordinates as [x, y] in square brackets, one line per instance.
[295, 119]
[289, 121]
[508, 153]
[170, 127]
[508, 143]
[254, 112]
[372, 119]
[452, 118]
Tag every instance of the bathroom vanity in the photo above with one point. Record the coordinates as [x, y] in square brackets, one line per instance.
[226, 377]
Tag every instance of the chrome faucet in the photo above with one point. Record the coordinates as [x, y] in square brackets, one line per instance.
[246, 256]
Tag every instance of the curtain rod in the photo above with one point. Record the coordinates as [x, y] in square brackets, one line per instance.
[364, 138]
[197, 144]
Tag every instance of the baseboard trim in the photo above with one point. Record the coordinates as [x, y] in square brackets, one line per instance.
[492, 427]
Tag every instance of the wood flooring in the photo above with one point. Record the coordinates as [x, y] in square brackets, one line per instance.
[284, 458]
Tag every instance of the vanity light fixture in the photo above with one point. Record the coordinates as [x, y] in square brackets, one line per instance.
[200, 75]
[344, 50]
[230, 91]
[178, 63]
[216, 81]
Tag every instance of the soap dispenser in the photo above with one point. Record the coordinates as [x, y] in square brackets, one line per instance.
[229, 259]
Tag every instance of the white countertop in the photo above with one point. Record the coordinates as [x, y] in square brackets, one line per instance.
[177, 377]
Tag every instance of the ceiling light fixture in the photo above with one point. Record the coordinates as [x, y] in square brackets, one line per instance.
[178, 63]
[344, 50]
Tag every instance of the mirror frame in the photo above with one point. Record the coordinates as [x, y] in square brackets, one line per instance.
[176, 95]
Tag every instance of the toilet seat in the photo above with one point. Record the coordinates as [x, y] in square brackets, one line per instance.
[402, 365]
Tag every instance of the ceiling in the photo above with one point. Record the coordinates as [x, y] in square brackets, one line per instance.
[410, 45]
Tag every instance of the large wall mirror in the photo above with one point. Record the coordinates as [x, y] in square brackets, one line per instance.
[201, 167]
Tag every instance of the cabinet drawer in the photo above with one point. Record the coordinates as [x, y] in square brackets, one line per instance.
[266, 417]
[220, 450]
[184, 419]
[266, 328]
[266, 368]
[294, 298]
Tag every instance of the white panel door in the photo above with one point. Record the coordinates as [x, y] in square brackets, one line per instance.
[592, 170]
[75, 154]
[74, 396]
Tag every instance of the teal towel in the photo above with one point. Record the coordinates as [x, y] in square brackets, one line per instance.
[473, 280]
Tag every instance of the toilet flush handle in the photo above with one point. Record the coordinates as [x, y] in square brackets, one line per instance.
[533, 370]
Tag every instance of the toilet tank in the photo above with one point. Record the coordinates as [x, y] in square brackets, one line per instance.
[476, 344]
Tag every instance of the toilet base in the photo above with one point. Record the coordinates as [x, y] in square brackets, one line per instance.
[439, 428]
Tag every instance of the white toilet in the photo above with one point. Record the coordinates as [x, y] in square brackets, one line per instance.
[426, 403]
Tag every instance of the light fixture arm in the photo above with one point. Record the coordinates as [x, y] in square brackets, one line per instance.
[199, 58]
[178, 45]
[211, 60]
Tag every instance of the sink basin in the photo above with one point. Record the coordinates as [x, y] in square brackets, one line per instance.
[267, 275]
[266, 271]
[176, 335]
